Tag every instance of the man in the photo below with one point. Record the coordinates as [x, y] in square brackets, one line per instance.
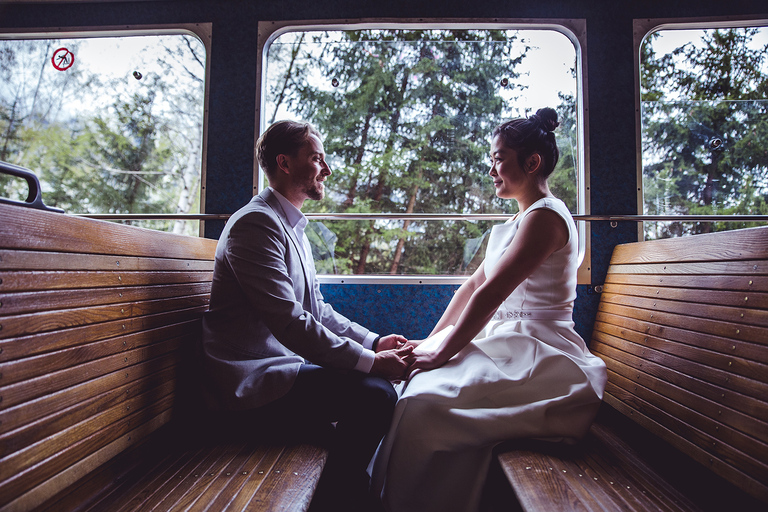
[273, 349]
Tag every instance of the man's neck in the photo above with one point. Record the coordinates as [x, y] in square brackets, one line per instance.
[294, 198]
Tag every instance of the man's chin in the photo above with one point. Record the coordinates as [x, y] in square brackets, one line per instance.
[316, 194]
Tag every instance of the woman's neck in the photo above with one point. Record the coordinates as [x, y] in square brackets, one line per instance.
[532, 196]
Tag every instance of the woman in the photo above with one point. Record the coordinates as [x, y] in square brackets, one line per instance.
[504, 361]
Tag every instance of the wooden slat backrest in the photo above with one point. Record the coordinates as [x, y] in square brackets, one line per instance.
[94, 320]
[683, 327]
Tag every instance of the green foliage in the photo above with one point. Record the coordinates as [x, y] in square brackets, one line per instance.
[407, 118]
[705, 129]
[136, 149]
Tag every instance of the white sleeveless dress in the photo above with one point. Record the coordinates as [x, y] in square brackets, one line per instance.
[527, 374]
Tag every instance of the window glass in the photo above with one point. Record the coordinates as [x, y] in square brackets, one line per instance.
[109, 124]
[407, 117]
[704, 126]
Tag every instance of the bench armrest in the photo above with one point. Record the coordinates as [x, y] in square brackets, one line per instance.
[35, 197]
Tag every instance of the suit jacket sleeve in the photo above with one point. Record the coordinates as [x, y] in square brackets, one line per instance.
[269, 271]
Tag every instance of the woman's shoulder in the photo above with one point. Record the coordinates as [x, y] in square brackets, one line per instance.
[560, 217]
[550, 203]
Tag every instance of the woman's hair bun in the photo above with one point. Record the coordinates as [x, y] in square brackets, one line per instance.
[547, 118]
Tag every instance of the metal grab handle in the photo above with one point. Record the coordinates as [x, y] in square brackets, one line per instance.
[35, 197]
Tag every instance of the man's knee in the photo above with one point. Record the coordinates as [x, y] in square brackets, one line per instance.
[379, 395]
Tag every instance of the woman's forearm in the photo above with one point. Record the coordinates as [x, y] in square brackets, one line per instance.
[455, 308]
[476, 313]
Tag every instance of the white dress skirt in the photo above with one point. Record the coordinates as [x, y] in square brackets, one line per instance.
[527, 374]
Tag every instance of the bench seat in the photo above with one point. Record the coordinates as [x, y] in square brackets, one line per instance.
[100, 325]
[682, 325]
[219, 476]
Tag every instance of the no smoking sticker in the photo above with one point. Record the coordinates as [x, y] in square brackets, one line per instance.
[63, 59]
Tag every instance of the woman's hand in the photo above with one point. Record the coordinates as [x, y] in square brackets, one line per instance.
[423, 360]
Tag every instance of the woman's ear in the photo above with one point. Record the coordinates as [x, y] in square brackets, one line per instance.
[533, 162]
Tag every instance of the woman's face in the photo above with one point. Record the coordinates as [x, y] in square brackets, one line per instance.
[509, 177]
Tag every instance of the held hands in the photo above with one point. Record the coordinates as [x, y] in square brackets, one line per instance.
[397, 357]
[392, 363]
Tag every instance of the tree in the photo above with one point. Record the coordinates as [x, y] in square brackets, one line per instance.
[407, 115]
[129, 158]
[33, 97]
[135, 149]
[705, 129]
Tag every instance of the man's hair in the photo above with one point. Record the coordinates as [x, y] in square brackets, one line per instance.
[282, 138]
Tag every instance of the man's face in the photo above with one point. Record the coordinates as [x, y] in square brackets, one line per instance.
[308, 170]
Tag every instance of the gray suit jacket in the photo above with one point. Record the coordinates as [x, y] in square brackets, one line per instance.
[263, 321]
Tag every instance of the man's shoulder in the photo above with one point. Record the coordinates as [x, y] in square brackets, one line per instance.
[256, 206]
[256, 213]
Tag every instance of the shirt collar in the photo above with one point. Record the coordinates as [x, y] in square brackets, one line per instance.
[293, 214]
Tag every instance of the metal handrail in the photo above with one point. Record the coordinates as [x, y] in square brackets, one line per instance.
[432, 216]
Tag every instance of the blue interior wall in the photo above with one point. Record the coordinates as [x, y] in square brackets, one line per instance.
[413, 309]
[409, 309]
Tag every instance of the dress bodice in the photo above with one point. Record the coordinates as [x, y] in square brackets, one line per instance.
[552, 286]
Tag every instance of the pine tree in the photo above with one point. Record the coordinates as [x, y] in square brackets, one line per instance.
[407, 117]
[705, 129]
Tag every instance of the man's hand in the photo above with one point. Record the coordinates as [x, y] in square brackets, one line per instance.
[390, 342]
[392, 364]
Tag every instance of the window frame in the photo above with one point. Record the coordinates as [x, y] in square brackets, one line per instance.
[574, 29]
[641, 30]
[201, 31]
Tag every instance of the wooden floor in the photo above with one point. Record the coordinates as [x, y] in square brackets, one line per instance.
[224, 477]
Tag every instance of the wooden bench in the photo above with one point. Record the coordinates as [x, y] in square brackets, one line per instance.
[99, 323]
[683, 328]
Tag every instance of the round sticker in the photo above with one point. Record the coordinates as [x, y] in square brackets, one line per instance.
[62, 59]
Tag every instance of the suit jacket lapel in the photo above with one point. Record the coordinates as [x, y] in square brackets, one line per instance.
[274, 203]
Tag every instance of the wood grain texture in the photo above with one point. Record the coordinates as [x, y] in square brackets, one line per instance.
[85, 261]
[24, 281]
[44, 342]
[738, 245]
[603, 475]
[94, 321]
[26, 229]
[682, 325]
[234, 476]
[683, 328]
[98, 322]
[39, 301]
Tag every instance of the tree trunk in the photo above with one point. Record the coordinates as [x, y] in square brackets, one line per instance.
[379, 189]
[406, 223]
[352, 192]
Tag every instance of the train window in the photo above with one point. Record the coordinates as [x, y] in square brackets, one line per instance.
[407, 114]
[704, 125]
[111, 122]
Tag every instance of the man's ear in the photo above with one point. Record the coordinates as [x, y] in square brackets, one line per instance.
[533, 162]
[282, 163]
